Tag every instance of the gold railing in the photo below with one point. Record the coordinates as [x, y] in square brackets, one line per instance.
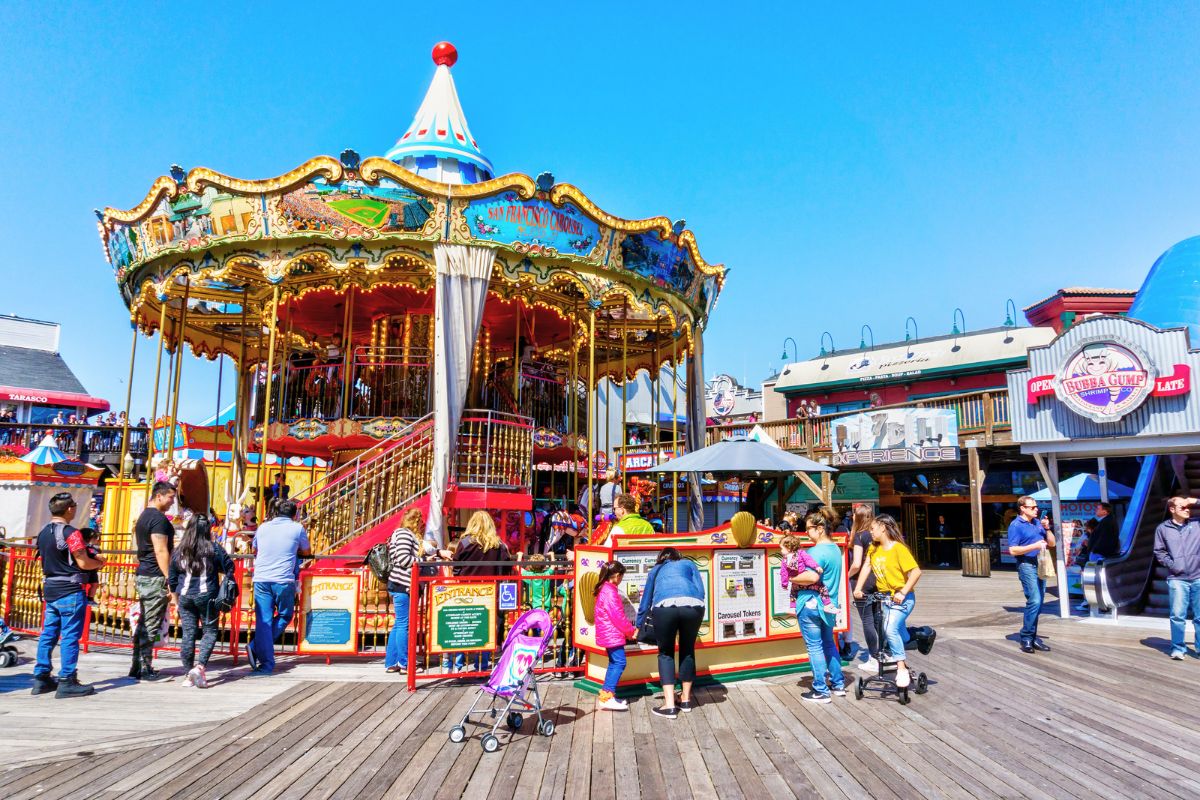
[495, 451]
[377, 483]
[979, 413]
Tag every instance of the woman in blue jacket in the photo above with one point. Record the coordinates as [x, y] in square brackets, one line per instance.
[674, 596]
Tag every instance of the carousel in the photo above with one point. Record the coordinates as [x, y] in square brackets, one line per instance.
[428, 330]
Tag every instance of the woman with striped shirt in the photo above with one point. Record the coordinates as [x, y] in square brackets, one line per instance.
[403, 548]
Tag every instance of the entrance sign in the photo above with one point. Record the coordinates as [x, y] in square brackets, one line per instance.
[464, 617]
[329, 622]
[896, 435]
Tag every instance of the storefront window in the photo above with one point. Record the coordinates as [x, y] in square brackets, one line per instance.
[44, 415]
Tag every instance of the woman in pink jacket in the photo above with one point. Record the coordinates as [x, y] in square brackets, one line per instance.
[613, 628]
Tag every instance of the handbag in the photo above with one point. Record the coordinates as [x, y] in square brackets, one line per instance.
[645, 633]
[1045, 565]
[227, 594]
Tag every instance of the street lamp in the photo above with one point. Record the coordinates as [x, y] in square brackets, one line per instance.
[831, 349]
[958, 314]
[862, 337]
[1010, 314]
[795, 350]
[915, 333]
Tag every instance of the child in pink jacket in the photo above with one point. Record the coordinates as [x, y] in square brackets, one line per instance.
[613, 628]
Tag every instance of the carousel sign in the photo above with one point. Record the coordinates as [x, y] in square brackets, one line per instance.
[1104, 379]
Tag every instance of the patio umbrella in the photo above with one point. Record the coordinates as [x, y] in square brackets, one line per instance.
[45, 453]
[1083, 487]
[742, 457]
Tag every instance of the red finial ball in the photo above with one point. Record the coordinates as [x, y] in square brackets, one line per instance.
[444, 53]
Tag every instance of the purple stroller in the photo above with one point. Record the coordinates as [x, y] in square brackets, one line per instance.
[513, 681]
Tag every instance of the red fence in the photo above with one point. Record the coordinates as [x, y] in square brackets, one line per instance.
[107, 624]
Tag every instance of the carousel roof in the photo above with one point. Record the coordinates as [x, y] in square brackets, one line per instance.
[438, 143]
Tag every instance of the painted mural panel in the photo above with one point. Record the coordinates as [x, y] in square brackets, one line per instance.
[533, 224]
[188, 221]
[663, 262]
[322, 206]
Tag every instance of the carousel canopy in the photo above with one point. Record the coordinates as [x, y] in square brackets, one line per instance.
[46, 453]
[742, 457]
[438, 144]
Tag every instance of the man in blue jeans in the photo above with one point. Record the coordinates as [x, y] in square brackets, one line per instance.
[1177, 547]
[816, 624]
[1028, 536]
[64, 559]
[279, 544]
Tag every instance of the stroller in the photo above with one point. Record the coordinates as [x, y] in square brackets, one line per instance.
[920, 639]
[8, 647]
[513, 681]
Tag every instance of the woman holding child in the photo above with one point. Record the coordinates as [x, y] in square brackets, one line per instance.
[818, 597]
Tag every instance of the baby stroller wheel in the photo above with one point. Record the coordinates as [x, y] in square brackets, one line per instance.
[513, 721]
[858, 688]
[8, 658]
[490, 743]
[902, 696]
[546, 727]
[458, 733]
[922, 683]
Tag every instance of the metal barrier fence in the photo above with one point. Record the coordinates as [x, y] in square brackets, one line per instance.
[509, 594]
[108, 625]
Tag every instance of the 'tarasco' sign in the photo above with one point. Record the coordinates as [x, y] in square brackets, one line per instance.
[1105, 379]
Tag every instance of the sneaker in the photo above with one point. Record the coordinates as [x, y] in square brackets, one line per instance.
[149, 673]
[201, 678]
[43, 684]
[839, 692]
[71, 687]
[613, 704]
[816, 697]
[903, 678]
[189, 680]
[1176, 655]
[686, 706]
[870, 665]
[926, 640]
[669, 713]
[1082, 606]
[604, 695]
[251, 657]
[393, 668]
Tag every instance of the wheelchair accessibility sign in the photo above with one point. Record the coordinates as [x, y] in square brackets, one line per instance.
[508, 596]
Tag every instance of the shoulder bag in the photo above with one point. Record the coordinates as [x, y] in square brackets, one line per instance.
[646, 634]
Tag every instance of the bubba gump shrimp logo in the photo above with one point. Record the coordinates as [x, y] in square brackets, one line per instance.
[1105, 380]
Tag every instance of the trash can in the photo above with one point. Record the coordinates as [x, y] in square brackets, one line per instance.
[976, 561]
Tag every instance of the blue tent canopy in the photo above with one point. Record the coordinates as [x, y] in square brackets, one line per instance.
[1083, 487]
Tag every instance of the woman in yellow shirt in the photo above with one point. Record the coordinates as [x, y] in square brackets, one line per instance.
[896, 573]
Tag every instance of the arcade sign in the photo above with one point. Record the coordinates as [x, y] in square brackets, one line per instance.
[1104, 379]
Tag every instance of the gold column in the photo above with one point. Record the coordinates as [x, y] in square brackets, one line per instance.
[347, 347]
[624, 385]
[162, 339]
[174, 413]
[574, 408]
[237, 459]
[591, 417]
[516, 387]
[128, 408]
[212, 469]
[266, 422]
[674, 428]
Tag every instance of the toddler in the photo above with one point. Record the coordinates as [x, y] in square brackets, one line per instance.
[796, 560]
[91, 541]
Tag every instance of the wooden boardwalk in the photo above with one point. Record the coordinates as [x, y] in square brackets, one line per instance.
[1104, 715]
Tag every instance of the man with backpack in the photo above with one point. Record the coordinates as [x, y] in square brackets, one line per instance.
[64, 558]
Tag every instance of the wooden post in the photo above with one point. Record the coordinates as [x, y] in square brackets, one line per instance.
[976, 473]
[989, 420]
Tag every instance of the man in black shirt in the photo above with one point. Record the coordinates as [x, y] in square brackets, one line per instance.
[64, 558]
[154, 537]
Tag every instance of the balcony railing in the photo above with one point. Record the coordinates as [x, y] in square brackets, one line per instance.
[495, 451]
[75, 440]
[979, 414]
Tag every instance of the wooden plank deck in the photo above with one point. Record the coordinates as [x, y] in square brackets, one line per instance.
[1105, 714]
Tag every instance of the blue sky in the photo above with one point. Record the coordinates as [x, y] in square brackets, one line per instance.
[849, 167]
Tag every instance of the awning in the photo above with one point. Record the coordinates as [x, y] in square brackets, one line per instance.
[16, 394]
[742, 457]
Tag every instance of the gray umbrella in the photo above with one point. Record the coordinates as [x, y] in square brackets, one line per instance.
[742, 457]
